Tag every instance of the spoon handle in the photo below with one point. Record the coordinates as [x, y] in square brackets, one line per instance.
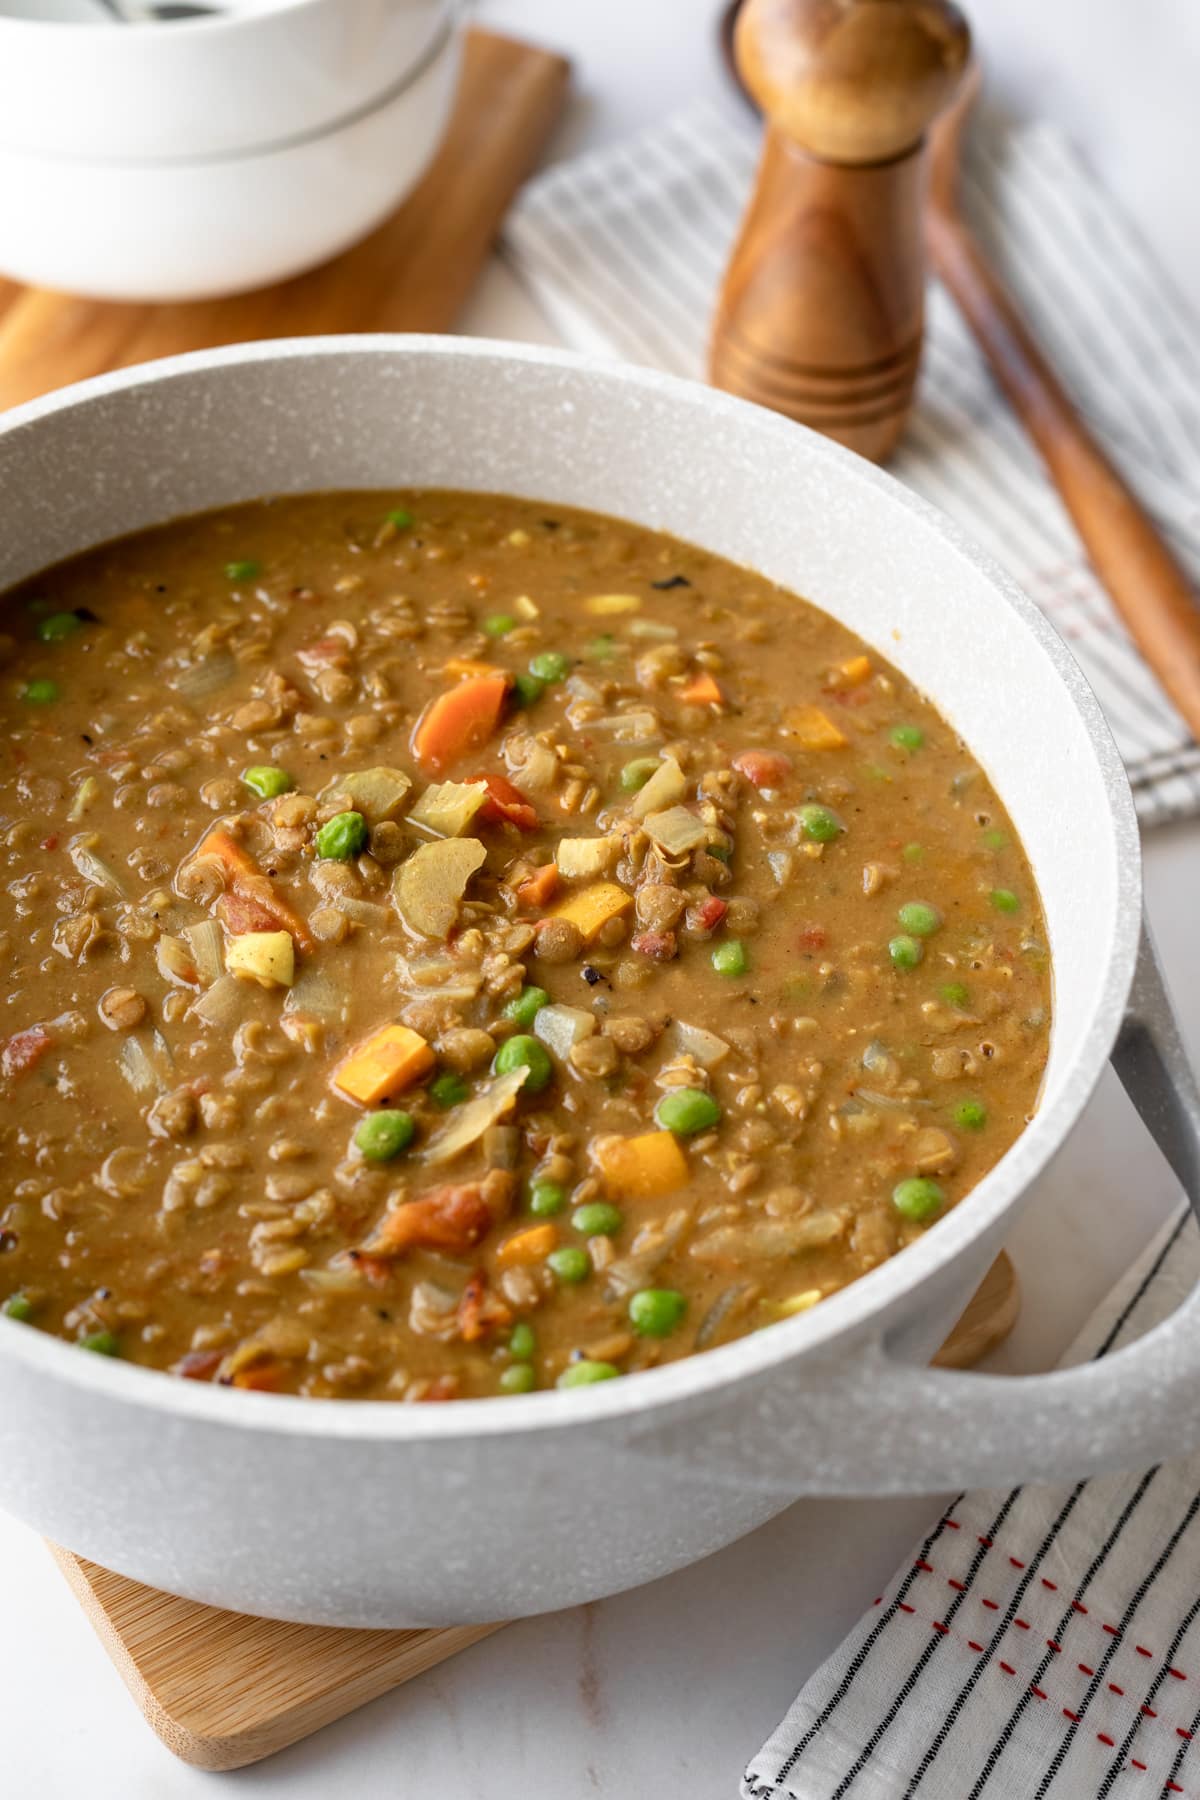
[1145, 580]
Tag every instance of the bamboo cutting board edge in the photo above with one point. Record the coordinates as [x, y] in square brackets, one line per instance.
[223, 1690]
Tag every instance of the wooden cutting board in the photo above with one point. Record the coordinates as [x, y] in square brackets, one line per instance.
[222, 1690]
[412, 274]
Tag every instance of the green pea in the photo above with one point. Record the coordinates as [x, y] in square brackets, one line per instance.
[547, 1198]
[970, 1115]
[600, 649]
[18, 1306]
[571, 1264]
[919, 918]
[57, 626]
[637, 773]
[820, 823]
[522, 1343]
[103, 1343]
[598, 1219]
[687, 1110]
[996, 840]
[499, 624]
[1005, 901]
[913, 853]
[907, 737]
[400, 517]
[527, 689]
[518, 1378]
[730, 958]
[383, 1135]
[905, 952]
[917, 1199]
[448, 1090]
[242, 571]
[549, 665]
[955, 994]
[585, 1372]
[526, 1006]
[522, 1052]
[40, 692]
[655, 1312]
[267, 781]
[342, 837]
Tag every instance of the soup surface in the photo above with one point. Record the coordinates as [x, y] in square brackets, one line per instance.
[455, 946]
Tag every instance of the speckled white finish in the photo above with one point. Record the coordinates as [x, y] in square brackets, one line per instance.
[290, 1507]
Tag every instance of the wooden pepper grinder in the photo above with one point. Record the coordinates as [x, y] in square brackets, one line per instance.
[821, 312]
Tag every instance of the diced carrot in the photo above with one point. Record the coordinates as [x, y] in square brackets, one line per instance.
[464, 666]
[537, 890]
[505, 804]
[593, 907]
[701, 690]
[251, 885]
[641, 1168]
[813, 729]
[851, 673]
[461, 719]
[533, 1244]
[388, 1062]
[24, 1050]
[442, 1387]
[480, 1311]
[261, 1377]
[763, 768]
[454, 1217]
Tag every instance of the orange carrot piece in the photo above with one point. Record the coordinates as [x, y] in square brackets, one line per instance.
[537, 890]
[813, 729]
[248, 882]
[454, 1217]
[388, 1062]
[480, 1311]
[641, 1168]
[531, 1245]
[702, 690]
[851, 673]
[461, 719]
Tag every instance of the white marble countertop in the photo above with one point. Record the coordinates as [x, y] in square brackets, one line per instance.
[668, 1691]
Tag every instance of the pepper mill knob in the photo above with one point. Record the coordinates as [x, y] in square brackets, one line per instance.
[822, 308]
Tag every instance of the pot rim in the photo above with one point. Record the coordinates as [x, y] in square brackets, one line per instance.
[846, 1315]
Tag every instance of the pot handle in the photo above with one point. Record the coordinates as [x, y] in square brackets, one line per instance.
[905, 1429]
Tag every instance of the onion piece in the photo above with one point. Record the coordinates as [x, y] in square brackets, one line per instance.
[138, 1069]
[85, 793]
[676, 830]
[202, 678]
[313, 991]
[206, 940]
[468, 1124]
[533, 766]
[666, 786]
[652, 628]
[363, 912]
[82, 852]
[561, 1027]
[428, 886]
[222, 1004]
[692, 1040]
[781, 863]
[639, 726]
[586, 856]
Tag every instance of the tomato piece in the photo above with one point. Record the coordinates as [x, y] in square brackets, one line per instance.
[764, 768]
[24, 1050]
[505, 804]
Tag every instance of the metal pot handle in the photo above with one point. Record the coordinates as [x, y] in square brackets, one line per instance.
[904, 1429]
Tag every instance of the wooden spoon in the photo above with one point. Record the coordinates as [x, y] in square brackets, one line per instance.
[1148, 585]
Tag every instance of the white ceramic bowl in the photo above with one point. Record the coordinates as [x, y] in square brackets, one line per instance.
[365, 1513]
[184, 161]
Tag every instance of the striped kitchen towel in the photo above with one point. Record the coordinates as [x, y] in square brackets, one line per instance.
[624, 249]
[1040, 1644]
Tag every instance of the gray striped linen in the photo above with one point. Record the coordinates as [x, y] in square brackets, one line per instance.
[1040, 1644]
[624, 248]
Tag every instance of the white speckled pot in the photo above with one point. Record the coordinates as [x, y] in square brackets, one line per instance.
[357, 1513]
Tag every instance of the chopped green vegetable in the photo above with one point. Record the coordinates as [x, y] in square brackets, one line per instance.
[103, 1343]
[918, 1198]
[730, 957]
[343, 836]
[549, 665]
[655, 1312]
[586, 1372]
[526, 1006]
[687, 1110]
[522, 1052]
[601, 648]
[907, 737]
[955, 994]
[547, 1198]
[522, 1343]
[970, 1115]
[919, 918]
[40, 692]
[518, 1378]
[267, 782]
[57, 626]
[400, 517]
[905, 952]
[499, 624]
[820, 823]
[1005, 901]
[571, 1264]
[637, 773]
[18, 1306]
[996, 840]
[448, 1090]
[722, 852]
[527, 689]
[913, 853]
[242, 571]
[598, 1219]
[382, 1135]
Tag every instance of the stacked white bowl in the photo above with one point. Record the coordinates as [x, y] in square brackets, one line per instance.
[177, 161]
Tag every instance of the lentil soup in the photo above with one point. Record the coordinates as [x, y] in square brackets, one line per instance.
[457, 946]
